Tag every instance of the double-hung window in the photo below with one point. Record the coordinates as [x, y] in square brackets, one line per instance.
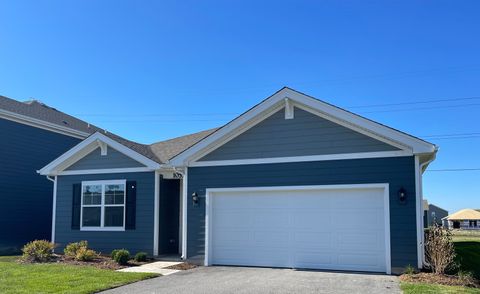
[103, 205]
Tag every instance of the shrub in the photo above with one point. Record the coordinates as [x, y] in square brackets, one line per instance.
[38, 251]
[439, 249]
[85, 254]
[114, 252]
[72, 249]
[121, 256]
[409, 270]
[141, 256]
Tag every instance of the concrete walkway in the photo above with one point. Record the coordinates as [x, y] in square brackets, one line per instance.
[243, 280]
[157, 267]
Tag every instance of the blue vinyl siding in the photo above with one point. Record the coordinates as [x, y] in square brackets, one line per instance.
[113, 159]
[140, 239]
[306, 134]
[26, 197]
[398, 172]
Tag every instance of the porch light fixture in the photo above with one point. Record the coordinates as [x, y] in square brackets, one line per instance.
[402, 195]
[195, 198]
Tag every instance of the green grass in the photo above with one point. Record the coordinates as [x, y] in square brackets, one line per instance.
[414, 288]
[59, 278]
[468, 256]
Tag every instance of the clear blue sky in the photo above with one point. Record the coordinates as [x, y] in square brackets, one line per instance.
[152, 70]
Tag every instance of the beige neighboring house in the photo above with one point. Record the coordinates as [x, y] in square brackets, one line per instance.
[466, 219]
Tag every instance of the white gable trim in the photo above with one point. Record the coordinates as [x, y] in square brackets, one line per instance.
[326, 157]
[276, 102]
[88, 145]
[41, 124]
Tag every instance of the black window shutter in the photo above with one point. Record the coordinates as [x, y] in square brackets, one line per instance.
[76, 206]
[131, 205]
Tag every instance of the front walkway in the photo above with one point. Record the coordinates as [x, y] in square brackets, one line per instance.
[221, 279]
[157, 267]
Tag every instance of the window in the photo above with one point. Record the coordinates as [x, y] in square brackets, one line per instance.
[103, 206]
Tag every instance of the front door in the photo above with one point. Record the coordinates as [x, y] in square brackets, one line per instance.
[169, 216]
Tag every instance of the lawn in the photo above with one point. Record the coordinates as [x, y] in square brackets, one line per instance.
[467, 247]
[58, 278]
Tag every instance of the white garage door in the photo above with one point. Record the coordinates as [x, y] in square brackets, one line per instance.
[321, 227]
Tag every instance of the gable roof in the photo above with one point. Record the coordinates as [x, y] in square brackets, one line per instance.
[465, 214]
[287, 98]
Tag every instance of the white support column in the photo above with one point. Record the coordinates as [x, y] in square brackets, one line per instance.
[156, 213]
[184, 215]
[54, 208]
[419, 212]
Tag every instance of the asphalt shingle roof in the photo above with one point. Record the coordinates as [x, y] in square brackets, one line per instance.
[160, 152]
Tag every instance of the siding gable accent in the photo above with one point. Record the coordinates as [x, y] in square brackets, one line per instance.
[306, 134]
[76, 206]
[95, 160]
[131, 207]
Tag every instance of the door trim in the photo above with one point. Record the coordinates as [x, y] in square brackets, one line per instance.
[210, 192]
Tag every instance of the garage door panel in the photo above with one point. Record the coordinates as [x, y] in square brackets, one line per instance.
[360, 260]
[258, 257]
[316, 220]
[306, 240]
[366, 241]
[340, 229]
[270, 218]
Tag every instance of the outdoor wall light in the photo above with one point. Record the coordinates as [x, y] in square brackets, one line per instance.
[402, 195]
[195, 198]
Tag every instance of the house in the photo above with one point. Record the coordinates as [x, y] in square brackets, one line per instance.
[465, 219]
[432, 214]
[292, 182]
[33, 134]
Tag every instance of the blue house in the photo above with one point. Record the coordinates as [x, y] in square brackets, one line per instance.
[33, 134]
[293, 182]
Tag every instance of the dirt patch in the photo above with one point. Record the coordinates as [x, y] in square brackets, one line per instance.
[182, 266]
[448, 280]
[101, 262]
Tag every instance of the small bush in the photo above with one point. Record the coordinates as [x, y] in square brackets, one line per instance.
[439, 250]
[409, 270]
[121, 256]
[141, 257]
[114, 252]
[72, 249]
[85, 254]
[38, 251]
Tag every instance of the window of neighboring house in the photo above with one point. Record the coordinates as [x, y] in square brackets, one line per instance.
[473, 223]
[103, 205]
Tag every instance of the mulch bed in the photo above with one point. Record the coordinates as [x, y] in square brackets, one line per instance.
[182, 266]
[101, 262]
[448, 280]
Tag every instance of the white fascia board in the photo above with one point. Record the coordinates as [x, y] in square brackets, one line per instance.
[326, 157]
[41, 124]
[348, 119]
[87, 146]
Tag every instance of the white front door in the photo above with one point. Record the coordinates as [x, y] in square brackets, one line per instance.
[321, 227]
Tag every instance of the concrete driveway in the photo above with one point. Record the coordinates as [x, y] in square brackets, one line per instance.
[221, 279]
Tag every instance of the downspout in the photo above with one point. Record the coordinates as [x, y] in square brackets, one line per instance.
[422, 167]
[54, 206]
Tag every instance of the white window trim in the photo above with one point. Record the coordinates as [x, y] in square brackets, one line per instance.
[103, 205]
[210, 192]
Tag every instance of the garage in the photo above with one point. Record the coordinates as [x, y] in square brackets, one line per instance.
[333, 227]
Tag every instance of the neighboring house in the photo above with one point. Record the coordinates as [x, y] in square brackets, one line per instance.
[432, 214]
[285, 184]
[465, 219]
[33, 134]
